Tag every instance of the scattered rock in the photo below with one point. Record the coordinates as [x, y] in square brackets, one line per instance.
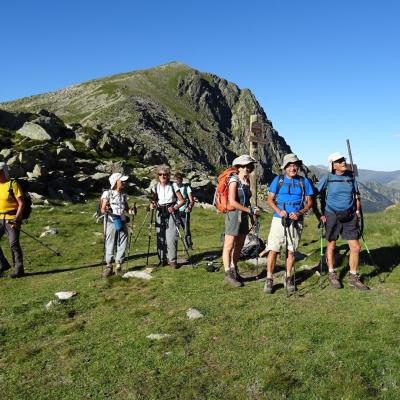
[138, 274]
[158, 336]
[193, 313]
[65, 295]
[49, 231]
[51, 304]
[33, 131]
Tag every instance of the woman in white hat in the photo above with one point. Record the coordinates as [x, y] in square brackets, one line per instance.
[237, 221]
[114, 204]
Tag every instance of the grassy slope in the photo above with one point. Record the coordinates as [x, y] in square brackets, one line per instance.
[317, 345]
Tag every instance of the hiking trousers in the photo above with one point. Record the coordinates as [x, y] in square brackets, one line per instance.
[16, 250]
[115, 240]
[167, 236]
[184, 220]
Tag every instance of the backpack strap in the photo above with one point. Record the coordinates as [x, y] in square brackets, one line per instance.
[279, 186]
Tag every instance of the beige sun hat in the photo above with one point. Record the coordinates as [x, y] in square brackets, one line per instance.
[290, 158]
[334, 157]
[117, 176]
[244, 159]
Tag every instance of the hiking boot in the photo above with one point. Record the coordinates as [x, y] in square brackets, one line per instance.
[5, 268]
[269, 286]
[230, 277]
[289, 284]
[118, 269]
[334, 281]
[173, 264]
[17, 274]
[108, 271]
[354, 281]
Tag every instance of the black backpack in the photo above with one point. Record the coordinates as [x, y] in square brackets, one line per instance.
[25, 194]
[253, 246]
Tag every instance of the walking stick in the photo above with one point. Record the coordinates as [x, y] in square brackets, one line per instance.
[150, 230]
[377, 269]
[130, 237]
[294, 257]
[55, 252]
[286, 253]
[183, 241]
[321, 261]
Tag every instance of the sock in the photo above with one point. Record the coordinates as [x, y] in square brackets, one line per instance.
[353, 273]
[331, 269]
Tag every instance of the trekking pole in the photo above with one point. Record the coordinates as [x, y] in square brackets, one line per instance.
[321, 261]
[150, 229]
[286, 254]
[56, 252]
[183, 241]
[140, 228]
[258, 241]
[105, 222]
[294, 257]
[130, 238]
[377, 269]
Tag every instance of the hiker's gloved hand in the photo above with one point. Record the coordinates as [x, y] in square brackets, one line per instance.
[323, 219]
[171, 210]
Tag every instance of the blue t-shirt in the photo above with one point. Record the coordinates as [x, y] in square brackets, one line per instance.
[290, 196]
[340, 192]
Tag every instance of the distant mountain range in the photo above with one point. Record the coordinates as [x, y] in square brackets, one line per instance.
[379, 189]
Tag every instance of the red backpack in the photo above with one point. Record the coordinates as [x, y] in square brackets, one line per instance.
[221, 200]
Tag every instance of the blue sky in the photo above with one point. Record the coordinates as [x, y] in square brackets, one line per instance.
[323, 71]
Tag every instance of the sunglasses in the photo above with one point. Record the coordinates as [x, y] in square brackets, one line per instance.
[342, 160]
[162, 174]
[249, 167]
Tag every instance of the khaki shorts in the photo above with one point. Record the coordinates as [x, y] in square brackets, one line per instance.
[276, 238]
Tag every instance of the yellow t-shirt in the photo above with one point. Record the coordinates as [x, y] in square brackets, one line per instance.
[7, 201]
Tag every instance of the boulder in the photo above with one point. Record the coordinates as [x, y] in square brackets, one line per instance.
[34, 131]
[6, 153]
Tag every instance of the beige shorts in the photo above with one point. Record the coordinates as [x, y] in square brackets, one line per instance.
[276, 238]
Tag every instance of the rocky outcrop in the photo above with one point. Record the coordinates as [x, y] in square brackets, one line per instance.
[171, 114]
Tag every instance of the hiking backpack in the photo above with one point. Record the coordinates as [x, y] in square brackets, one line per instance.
[221, 200]
[25, 195]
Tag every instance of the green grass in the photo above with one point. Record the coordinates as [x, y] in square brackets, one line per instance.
[319, 344]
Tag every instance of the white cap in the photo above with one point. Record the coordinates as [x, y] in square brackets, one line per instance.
[334, 157]
[116, 176]
[245, 159]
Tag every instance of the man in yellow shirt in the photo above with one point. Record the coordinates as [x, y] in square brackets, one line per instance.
[11, 208]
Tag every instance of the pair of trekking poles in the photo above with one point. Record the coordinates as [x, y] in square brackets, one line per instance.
[152, 212]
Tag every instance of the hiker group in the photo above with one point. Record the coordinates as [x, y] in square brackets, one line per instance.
[290, 197]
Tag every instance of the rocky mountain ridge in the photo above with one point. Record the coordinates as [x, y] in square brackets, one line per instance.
[66, 142]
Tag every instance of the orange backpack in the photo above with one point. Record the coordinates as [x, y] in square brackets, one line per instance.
[221, 200]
